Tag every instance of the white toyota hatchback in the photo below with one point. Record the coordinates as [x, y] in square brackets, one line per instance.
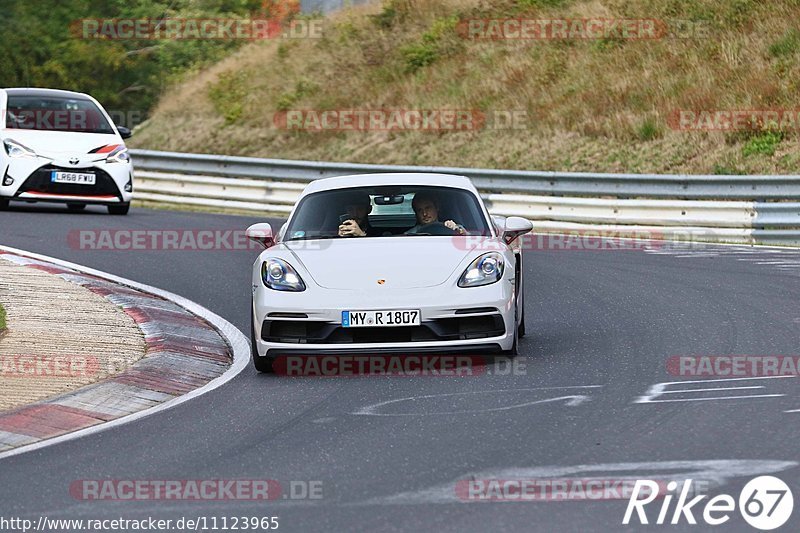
[387, 263]
[61, 146]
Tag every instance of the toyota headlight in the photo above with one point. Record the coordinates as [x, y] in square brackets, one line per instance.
[485, 270]
[118, 155]
[15, 149]
[279, 275]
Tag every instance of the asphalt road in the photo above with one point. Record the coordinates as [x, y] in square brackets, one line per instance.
[601, 327]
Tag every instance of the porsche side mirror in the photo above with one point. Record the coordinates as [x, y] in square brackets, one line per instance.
[514, 227]
[124, 132]
[261, 233]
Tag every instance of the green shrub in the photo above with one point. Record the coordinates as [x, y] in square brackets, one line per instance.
[764, 144]
[648, 130]
[787, 45]
[739, 12]
[227, 96]
[302, 89]
[438, 41]
[419, 55]
[387, 17]
[726, 170]
[285, 101]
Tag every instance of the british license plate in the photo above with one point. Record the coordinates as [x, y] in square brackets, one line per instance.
[72, 177]
[372, 319]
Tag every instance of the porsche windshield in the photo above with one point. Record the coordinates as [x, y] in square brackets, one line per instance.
[386, 212]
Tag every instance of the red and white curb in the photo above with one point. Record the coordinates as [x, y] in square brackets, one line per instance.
[189, 351]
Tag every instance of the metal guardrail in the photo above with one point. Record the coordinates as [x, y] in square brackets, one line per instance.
[746, 209]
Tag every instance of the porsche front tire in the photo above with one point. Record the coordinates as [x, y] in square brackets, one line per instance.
[262, 364]
[513, 350]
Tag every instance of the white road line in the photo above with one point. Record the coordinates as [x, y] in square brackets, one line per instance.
[573, 400]
[711, 390]
[753, 257]
[727, 379]
[718, 398]
[659, 389]
[239, 345]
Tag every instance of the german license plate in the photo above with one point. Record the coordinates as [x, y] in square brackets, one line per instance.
[372, 319]
[78, 178]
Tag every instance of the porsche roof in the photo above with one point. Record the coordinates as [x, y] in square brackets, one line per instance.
[400, 178]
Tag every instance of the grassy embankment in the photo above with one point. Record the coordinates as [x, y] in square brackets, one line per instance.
[591, 105]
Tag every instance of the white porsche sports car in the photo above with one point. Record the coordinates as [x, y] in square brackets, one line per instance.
[387, 263]
[61, 146]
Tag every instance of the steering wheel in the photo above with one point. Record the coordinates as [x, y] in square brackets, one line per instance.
[435, 228]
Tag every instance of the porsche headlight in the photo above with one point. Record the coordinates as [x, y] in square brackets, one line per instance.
[15, 149]
[485, 270]
[279, 275]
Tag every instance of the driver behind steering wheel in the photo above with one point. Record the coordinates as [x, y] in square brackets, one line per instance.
[426, 208]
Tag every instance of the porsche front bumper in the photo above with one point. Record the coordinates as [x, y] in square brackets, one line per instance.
[454, 320]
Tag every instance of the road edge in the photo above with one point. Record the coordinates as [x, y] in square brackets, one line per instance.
[237, 340]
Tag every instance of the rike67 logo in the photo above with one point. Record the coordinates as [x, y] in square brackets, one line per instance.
[765, 503]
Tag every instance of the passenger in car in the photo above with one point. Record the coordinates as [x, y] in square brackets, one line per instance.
[426, 208]
[357, 206]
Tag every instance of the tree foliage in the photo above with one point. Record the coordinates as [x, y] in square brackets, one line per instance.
[41, 46]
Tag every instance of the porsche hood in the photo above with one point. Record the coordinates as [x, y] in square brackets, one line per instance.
[402, 262]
